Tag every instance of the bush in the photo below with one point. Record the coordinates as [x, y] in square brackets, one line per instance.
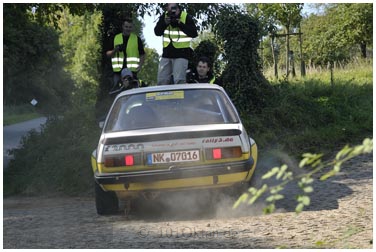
[57, 159]
[242, 77]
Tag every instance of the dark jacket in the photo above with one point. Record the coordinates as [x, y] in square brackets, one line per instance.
[188, 28]
[192, 77]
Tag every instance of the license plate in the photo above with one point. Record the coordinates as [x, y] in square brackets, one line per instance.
[173, 157]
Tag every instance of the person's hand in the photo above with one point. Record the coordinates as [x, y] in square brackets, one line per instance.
[167, 20]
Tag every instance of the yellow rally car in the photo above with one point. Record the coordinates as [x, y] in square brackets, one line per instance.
[170, 138]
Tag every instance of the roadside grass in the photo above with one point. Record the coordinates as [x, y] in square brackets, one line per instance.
[309, 115]
[304, 115]
[19, 113]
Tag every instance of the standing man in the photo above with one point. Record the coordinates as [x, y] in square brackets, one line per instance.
[177, 29]
[127, 52]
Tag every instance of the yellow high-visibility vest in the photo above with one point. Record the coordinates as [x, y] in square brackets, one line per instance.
[133, 55]
[176, 36]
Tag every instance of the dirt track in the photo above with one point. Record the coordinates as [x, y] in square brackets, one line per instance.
[340, 216]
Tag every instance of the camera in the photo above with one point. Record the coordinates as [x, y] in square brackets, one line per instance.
[132, 83]
[191, 76]
[120, 47]
[172, 14]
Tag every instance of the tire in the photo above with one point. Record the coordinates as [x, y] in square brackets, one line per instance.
[106, 202]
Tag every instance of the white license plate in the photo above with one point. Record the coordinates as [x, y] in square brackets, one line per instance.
[173, 157]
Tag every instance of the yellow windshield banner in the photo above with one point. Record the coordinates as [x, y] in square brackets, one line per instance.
[168, 95]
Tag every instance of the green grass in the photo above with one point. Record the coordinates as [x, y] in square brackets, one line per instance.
[20, 113]
[308, 114]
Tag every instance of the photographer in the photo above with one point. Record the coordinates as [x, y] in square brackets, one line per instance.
[127, 51]
[177, 29]
[127, 81]
[202, 73]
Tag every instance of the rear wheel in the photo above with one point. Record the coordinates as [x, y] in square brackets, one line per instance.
[105, 202]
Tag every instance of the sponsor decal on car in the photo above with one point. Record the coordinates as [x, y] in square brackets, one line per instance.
[218, 140]
[123, 147]
[165, 95]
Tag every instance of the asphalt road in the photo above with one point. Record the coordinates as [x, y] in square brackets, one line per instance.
[13, 133]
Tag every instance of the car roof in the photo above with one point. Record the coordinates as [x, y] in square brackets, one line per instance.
[169, 87]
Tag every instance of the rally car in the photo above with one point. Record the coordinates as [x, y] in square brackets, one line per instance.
[170, 138]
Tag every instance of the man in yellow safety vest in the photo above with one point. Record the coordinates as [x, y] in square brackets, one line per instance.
[177, 29]
[127, 51]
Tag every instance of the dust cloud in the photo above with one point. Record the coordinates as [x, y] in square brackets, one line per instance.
[217, 203]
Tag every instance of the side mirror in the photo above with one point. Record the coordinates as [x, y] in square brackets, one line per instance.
[101, 121]
[101, 124]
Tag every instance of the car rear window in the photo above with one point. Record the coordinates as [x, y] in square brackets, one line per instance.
[170, 108]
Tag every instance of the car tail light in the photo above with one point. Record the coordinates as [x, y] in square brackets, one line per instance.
[123, 160]
[129, 160]
[113, 162]
[223, 153]
[217, 153]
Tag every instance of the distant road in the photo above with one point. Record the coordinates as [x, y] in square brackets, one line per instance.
[13, 133]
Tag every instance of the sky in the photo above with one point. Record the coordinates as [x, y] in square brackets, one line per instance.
[151, 39]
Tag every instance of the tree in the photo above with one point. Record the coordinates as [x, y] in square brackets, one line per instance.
[357, 22]
[79, 37]
[325, 40]
[287, 15]
[242, 77]
[149, 71]
[33, 64]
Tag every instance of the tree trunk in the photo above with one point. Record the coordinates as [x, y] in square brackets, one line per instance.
[287, 51]
[274, 58]
[302, 64]
[363, 49]
[293, 64]
[331, 66]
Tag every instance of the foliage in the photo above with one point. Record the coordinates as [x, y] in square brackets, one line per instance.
[331, 36]
[242, 76]
[79, 38]
[284, 176]
[289, 16]
[50, 13]
[209, 49]
[285, 14]
[355, 25]
[33, 66]
[56, 159]
[149, 70]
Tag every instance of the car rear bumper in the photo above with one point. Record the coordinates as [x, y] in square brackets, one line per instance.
[173, 173]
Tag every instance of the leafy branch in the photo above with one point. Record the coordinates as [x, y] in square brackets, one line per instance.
[304, 181]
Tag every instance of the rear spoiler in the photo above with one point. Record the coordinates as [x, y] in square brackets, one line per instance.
[172, 136]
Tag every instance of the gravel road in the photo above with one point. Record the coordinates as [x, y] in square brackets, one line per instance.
[340, 216]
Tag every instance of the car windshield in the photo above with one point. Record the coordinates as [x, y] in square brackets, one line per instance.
[170, 108]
